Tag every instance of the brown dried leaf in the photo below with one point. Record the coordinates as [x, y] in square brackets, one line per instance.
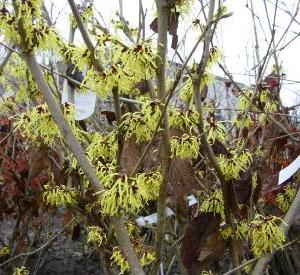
[131, 155]
[201, 242]
[182, 181]
[39, 160]
[110, 116]
[219, 148]
[213, 248]
[172, 27]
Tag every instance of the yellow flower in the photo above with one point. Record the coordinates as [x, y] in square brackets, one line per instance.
[60, 195]
[214, 55]
[185, 147]
[213, 203]
[118, 258]
[96, 234]
[101, 146]
[80, 57]
[266, 234]
[241, 231]
[7, 106]
[185, 121]
[241, 122]
[142, 124]
[4, 251]
[21, 271]
[128, 194]
[285, 198]
[231, 167]
[215, 131]
[145, 254]
[37, 124]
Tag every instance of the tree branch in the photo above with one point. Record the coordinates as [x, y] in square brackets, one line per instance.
[120, 229]
[163, 11]
[204, 141]
[40, 248]
[257, 258]
[98, 66]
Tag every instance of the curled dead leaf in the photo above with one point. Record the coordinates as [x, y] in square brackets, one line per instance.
[201, 243]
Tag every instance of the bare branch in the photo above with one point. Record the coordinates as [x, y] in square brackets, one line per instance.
[44, 246]
[163, 18]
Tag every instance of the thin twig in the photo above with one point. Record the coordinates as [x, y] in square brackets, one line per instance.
[40, 248]
[204, 141]
[269, 116]
[257, 258]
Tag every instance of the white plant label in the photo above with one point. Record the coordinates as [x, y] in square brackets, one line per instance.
[284, 174]
[288, 171]
[84, 102]
[152, 219]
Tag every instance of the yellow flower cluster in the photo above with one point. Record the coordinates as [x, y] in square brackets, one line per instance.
[101, 146]
[185, 121]
[217, 131]
[285, 198]
[254, 180]
[128, 194]
[187, 92]
[118, 258]
[206, 79]
[264, 96]
[35, 31]
[4, 251]
[85, 13]
[123, 67]
[96, 234]
[240, 232]
[185, 147]
[42, 37]
[103, 83]
[241, 122]
[60, 195]
[18, 81]
[226, 232]
[80, 56]
[8, 26]
[132, 229]
[7, 106]
[231, 167]
[32, 7]
[37, 124]
[21, 271]
[266, 235]
[271, 107]
[244, 102]
[146, 256]
[138, 62]
[213, 203]
[142, 124]
[214, 55]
